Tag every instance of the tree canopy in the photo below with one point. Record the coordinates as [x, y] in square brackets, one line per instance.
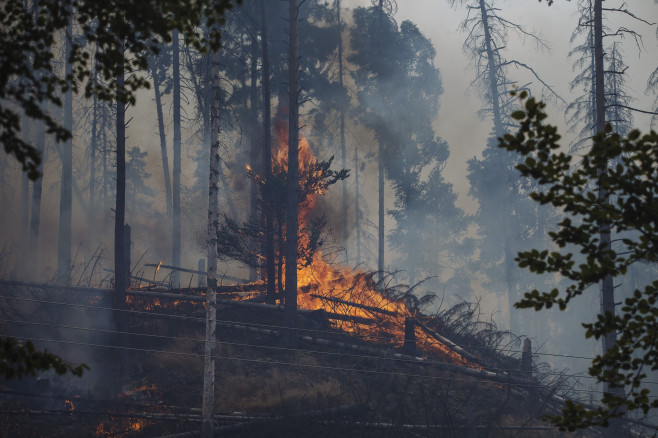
[627, 169]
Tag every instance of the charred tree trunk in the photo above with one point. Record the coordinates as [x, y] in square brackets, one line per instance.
[213, 228]
[176, 235]
[267, 160]
[120, 208]
[66, 191]
[163, 138]
[292, 199]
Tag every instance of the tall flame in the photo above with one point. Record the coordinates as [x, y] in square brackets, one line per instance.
[339, 285]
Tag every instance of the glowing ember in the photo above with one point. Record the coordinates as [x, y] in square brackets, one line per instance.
[69, 404]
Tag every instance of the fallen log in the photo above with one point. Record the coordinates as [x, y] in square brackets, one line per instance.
[447, 342]
[270, 307]
[357, 305]
[194, 271]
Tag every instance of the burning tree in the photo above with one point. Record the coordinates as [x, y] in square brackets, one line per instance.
[243, 242]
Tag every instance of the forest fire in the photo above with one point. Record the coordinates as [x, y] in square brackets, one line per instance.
[339, 286]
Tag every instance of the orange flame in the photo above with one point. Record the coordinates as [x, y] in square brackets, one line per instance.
[322, 279]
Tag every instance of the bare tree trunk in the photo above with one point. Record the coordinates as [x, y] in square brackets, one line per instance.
[163, 138]
[343, 152]
[293, 177]
[37, 187]
[176, 240]
[254, 136]
[120, 208]
[94, 144]
[213, 227]
[607, 285]
[25, 208]
[508, 254]
[357, 212]
[380, 160]
[267, 160]
[493, 71]
[66, 192]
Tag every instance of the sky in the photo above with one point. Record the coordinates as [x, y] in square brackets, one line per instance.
[458, 122]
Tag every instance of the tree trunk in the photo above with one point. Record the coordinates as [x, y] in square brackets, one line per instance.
[357, 211]
[343, 152]
[37, 188]
[508, 253]
[94, 144]
[25, 210]
[176, 239]
[607, 286]
[213, 228]
[267, 160]
[254, 139]
[163, 138]
[66, 192]
[380, 159]
[493, 71]
[120, 208]
[292, 200]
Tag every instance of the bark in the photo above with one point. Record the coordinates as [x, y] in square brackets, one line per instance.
[163, 138]
[267, 159]
[66, 192]
[293, 176]
[120, 208]
[213, 227]
[176, 240]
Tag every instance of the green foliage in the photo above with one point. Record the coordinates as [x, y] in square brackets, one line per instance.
[28, 31]
[19, 359]
[630, 182]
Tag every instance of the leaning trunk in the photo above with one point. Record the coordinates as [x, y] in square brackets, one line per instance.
[163, 138]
